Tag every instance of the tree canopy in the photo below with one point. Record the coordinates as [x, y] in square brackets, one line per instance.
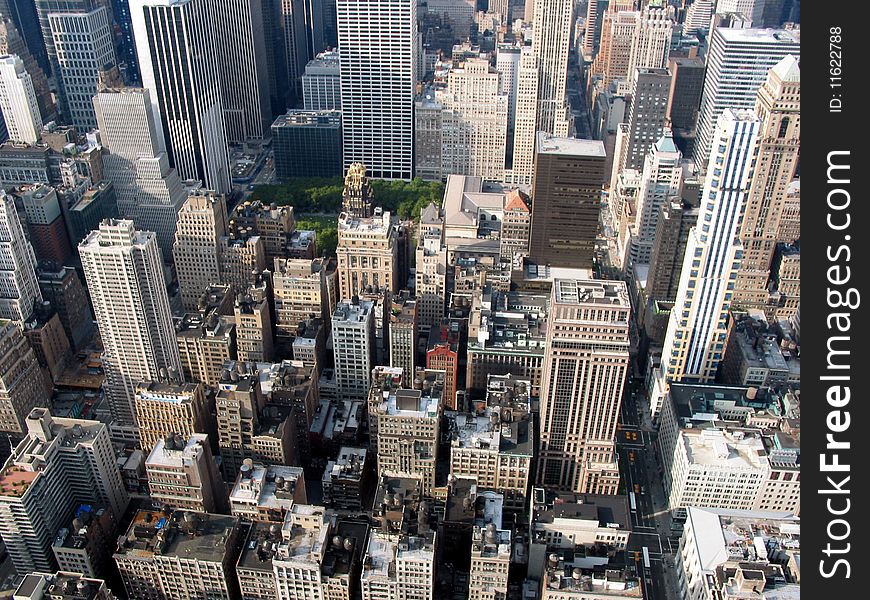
[319, 195]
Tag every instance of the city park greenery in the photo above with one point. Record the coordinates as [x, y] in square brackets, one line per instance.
[316, 202]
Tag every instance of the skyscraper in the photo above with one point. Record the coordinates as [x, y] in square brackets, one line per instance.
[83, 47]
[44, 8]
[585, 367]
[697, 329]
[617, 33]
[175, 43]
[12, 42]
[244, 78]
[778, 107]
[321, 82]
[23, 15]
[148, 190]
[124, 272]
[58, 465]
[183, 474]
[661, 179]
[124, 43]
[737, 65]
[294, 38]
[378, 103]
[651, 42]
[566, 197]
[474, 120]
[353, 324]
[22, 384]
[18, 101]
[525, 119]
[551, 37]
[202, 221]
[19, 287]
[594, 16]
[649, 106]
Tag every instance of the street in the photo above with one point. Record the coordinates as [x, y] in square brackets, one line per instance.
[650, 520]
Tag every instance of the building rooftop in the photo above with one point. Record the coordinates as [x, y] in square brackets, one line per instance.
[268, 488]
[606, 510]
[164, 391]
[378, 225]
[509, 320]
[573, 147]
[330, 119]
[348, 464]
[260, 546]
[534, 273]
[325, 63]
[724, 448]
[740, 536]
[59, 586]
[468, 504]
[303, 535]
[176, 451]
[572, 576]
[349, 311]
[183, 534]
[380, 557]
[593, 292]
[759, 36]
[707, 401]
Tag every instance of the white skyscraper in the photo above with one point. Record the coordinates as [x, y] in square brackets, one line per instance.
[124, 272]
[59, 464]
[551, 37]
[353, 325]
[378, 42]
[751, 9]
[243, 70]
[179, 53]
[737, 64]
[84, 46]
[507, 63]
[474, 122]
[525, 124]
[202, 221]
[661, 179]
[698, 15]
[651, 42]
[18, 101]
[19, 286]
[148, 190]
[695, 341]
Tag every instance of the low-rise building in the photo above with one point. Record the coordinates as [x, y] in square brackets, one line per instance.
[253, 314]
[506, 335]
[62, 586]
[399, 567]
[182, 474]
[491, 552]
[403, 331]
[318, 556]
[164, 407]
[179, 555]
[577, 578]
[408, 425]
[446, 352]
[496, 445]
[267, 492]
[737, 554]
[23, 385]
[85, 545]
[346, 480]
